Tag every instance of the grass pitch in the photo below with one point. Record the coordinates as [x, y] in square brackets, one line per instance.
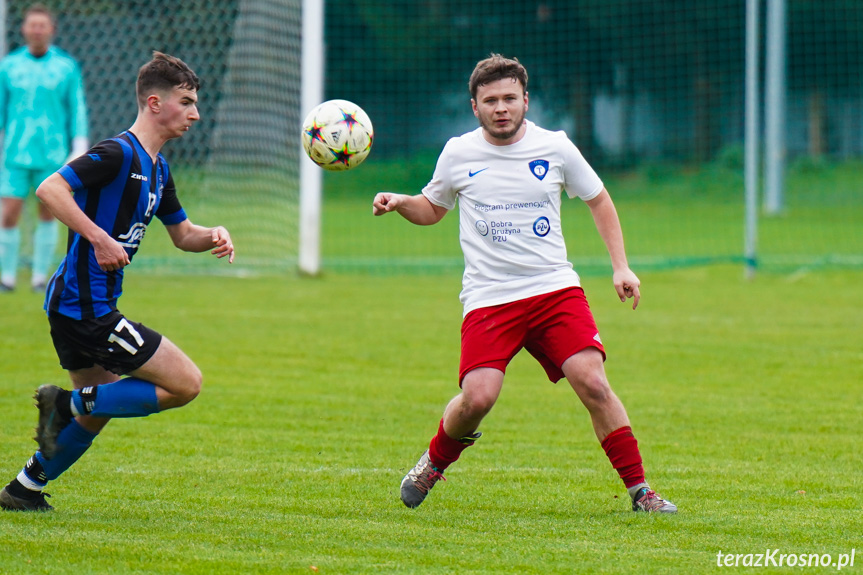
[320, 394]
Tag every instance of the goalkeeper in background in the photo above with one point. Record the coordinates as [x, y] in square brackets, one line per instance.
[43, 116]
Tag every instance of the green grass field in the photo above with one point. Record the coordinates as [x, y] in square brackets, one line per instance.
[320, 393]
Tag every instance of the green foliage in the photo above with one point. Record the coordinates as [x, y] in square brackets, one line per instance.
[731, 157]
[627, 79]
[320, 394]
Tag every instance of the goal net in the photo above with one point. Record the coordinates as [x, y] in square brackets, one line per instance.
[651, 92]
[237, 166]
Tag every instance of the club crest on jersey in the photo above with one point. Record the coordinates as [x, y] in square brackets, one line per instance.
[539, 168]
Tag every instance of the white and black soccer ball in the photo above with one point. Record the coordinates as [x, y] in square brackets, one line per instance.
[337, 135]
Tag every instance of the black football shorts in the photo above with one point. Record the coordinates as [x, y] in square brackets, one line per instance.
[112, 341]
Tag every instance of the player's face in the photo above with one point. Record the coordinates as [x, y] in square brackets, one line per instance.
[38, 31]
[179, 111]
[500, 107]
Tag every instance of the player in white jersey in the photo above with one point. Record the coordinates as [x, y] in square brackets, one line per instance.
[519, 289]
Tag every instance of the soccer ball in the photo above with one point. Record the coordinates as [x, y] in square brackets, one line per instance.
[337, 135]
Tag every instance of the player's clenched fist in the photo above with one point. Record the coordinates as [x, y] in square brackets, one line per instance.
[385, 202]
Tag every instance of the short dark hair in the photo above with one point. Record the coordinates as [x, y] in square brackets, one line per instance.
[164, 73]
[494, 68]
[39, 8]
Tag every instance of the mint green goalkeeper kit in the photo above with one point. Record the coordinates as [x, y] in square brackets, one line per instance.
[42, 108]
[43, 116]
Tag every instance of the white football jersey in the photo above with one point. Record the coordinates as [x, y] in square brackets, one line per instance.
[509, 211]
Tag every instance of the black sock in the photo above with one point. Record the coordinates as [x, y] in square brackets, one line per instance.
[16, 489]
[63, 404]
[35, 472]
[88, 398]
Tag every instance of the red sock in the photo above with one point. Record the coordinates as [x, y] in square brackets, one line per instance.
[444, 450]
[622, 450]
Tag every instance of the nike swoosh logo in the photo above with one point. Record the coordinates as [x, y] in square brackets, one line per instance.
[472, 174]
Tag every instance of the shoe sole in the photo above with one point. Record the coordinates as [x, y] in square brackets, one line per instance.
[47, 430]
[667, 510]
[409, 494]
[11, 503]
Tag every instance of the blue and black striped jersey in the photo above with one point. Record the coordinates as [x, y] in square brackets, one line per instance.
[119, 187]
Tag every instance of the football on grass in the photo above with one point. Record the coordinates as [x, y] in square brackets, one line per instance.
[337, 135]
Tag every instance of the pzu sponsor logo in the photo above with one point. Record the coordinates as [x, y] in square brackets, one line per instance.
[541, 227]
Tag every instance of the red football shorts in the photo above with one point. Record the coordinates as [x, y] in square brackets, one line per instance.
[552, 327]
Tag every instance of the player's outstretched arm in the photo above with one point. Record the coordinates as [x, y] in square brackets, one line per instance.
[56, 194]
[415, 209]
[193, 238]
[626, 283]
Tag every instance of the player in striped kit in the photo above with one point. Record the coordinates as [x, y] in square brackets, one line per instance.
[107, 197]
[519, 289]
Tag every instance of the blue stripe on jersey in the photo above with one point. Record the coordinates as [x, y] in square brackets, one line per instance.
[119, 187]
[71, 177]
[174, 218]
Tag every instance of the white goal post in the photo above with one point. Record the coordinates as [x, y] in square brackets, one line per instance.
[311, 177]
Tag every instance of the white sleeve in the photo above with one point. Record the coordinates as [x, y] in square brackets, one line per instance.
[80, 145]
[579, 178]
[439, 190]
